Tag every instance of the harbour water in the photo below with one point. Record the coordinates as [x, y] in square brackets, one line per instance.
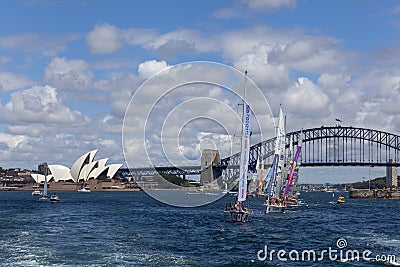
[132, 229]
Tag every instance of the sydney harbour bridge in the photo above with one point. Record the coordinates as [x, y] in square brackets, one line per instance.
[323, 146]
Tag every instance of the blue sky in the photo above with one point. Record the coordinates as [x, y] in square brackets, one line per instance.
[68, 69]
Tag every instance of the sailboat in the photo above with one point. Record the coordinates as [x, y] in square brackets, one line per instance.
[291, 186]
[275, 202]
[290, 193]
[44, 196]
[238, 212]
[260, 190]
[84, 189]
[257, 182]
[37, 192]
[253, 178]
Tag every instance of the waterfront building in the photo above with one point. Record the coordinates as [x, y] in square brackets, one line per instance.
[83, 169]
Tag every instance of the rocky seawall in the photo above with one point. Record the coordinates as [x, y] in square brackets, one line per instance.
[374, 193]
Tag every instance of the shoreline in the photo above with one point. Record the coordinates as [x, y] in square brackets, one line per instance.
[375, 193]
[68, 190]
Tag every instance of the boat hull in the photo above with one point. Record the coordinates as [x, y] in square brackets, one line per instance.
[274, 209]
[292, 202]
[54, 198]
[83, 190]
[341, 200]
[44, 198]
[237, 216]
[37, 193]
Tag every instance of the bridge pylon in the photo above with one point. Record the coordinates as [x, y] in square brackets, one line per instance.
[210, 161]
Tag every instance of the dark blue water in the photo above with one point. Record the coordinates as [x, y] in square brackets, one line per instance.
[132, 229]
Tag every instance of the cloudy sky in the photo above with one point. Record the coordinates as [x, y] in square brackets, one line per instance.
[69, 69]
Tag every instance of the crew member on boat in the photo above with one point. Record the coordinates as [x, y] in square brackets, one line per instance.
[228, 206]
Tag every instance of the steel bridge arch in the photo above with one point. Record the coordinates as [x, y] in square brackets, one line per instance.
[322, 146]
[349, 146]
[337, 143]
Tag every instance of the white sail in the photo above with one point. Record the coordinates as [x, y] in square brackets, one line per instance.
[275, 203]
[244, 156]
[282, 148]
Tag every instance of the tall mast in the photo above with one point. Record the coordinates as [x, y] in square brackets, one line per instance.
[244, 98]
[245, 147]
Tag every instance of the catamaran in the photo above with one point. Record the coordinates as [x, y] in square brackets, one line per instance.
[238, 212]
[275, 202]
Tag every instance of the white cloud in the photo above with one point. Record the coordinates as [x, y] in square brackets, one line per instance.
[306, 98]
[28, 129]
[178, 115]
[42, 104]
[270, 76]
[245, 8]
[68, 74]
[10, 140]
[108, 143]
[11, 81]
[151, 67]
[104, 39]
[121, 87]
[331, 84]
[138, 36]
[313, 54]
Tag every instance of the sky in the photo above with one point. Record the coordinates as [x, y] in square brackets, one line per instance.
[70, 71]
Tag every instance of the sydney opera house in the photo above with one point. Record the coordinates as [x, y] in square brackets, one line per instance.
[85, 171]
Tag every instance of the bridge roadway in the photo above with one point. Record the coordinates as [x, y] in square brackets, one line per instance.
[322, 146]
[150, 171]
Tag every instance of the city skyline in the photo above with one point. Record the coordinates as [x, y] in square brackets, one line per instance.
[68, 70]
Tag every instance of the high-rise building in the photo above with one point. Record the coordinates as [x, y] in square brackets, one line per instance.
[391, 175]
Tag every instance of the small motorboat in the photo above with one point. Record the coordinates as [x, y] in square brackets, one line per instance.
[341, 200]
[83, 190]
[54, 198]
[37, 193]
